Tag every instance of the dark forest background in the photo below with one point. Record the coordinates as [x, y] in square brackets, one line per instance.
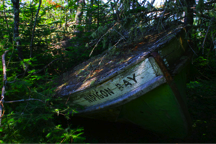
[40, 40]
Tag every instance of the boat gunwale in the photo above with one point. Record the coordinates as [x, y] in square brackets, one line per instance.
[125, 98]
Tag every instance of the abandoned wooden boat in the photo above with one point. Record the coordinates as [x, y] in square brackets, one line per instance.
[142, 83]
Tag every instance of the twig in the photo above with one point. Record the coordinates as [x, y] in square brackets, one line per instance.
[102, 59]
[4, 83]
[34, 28]
[14, 79]
[25, 106]
[100, 39]
[46, 66]
[120, 34]
[24, 100]
[204, 75]
[118, 41]
[192, 49]
[62, 140]
[206, 35]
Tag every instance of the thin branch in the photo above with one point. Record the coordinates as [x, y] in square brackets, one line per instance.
[118, 41]
[192, 49]
[206, 35]
[119, 34]
[14, 79]
[24, 100]
[32, 38]
[46, 66]
[26, 105]
[100, 39]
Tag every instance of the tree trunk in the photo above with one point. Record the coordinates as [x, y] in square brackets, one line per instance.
[189, 14]
[89, 15]
[16, 28]
[189, 21]
[79, 12]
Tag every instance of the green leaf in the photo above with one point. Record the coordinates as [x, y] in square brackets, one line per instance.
[6, 36]
[48, 135]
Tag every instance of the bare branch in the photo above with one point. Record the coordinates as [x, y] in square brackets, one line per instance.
[24, 100]
[206, 35]
[100, 39]
[119, 34]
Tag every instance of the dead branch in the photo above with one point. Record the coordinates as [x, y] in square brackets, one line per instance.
[4, 83]
[24, 100]
[192, 49]
[100, 39]
[206, 35]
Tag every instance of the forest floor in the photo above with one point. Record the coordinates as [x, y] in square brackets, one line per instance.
[201, 96]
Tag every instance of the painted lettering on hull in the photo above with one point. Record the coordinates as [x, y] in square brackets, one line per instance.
[98, 95]
[123, 83]
[101, 94]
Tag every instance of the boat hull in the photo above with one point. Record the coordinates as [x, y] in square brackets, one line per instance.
[157, 110]
[160, 111]
[148, 89]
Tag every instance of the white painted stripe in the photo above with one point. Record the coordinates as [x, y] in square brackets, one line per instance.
[123, 83]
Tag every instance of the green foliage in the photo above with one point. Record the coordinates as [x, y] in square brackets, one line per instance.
[33, 120]
[102, 26]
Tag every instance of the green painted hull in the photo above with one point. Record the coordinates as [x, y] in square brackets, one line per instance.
[159, 110]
